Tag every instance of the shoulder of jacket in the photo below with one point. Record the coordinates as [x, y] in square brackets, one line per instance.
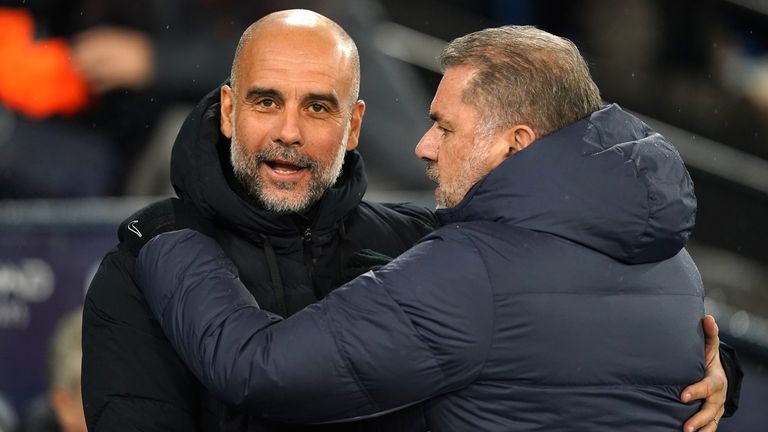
[137, 228]
[461, 231]
[153, 212]
[114, 280]
[117, 259]
[165, 215]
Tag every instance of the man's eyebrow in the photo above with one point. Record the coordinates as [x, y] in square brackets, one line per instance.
[438, 118]
[254, 93]
[330, 98]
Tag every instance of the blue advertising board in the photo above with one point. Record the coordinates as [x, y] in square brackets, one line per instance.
[48, 255]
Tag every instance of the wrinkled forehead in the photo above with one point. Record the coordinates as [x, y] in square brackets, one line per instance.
[454, 87]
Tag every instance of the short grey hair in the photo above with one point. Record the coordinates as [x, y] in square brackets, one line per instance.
[524, 76]
[65, 353]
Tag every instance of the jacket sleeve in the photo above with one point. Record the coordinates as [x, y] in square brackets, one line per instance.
[132, 378]
[388, 339]
[735, 376]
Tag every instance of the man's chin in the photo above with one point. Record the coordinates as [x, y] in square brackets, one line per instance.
[284, 198]
[445, 200]
[439, 199]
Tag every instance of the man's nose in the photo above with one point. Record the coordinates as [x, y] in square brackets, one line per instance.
[427, 147]
[288, 129]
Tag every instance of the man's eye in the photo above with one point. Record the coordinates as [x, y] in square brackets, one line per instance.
[267, 103]
[317, 108]
[443, 130]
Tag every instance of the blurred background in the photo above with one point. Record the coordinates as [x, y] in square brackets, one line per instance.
[92, 93]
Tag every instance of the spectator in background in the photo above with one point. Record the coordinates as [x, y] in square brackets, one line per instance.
[8, 418]
[62, 408]
[65, 359]
[134, 58]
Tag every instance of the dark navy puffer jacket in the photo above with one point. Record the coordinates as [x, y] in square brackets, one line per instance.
[557, 296]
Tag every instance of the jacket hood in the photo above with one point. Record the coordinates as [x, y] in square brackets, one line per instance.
[607, 182]
[202, 173]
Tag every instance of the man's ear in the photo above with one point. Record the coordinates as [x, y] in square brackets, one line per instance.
[227, 96]
[508, 143]
[356, 121]
[517, 138]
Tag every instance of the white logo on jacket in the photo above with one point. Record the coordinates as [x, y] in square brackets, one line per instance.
[132, 227]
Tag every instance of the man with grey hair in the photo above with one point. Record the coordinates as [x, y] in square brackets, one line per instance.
[555, 295]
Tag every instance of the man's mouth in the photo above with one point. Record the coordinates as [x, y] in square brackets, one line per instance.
[285, 171]
[284, 167]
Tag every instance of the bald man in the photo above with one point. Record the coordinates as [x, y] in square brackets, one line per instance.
[269, 164]
[268, 168]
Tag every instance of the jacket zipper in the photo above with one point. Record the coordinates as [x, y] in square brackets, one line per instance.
[309, 259]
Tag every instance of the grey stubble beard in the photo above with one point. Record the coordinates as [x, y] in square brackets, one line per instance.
[246, 170]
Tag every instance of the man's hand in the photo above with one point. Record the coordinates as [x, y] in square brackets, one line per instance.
[712, 388]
